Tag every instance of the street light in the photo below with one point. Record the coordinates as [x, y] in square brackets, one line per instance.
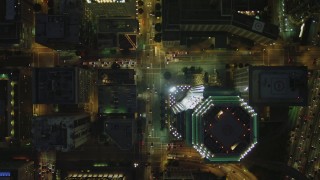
[135, 165]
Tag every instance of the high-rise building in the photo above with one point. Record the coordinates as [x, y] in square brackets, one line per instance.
[187, 20]
[216, 122]
[274, 85]
[60, 132]
[224, 128]
[62, 85]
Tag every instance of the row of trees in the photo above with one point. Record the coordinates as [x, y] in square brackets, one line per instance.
[235, 65]
[189, 71]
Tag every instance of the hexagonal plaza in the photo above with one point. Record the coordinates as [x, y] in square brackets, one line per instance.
[224, 128]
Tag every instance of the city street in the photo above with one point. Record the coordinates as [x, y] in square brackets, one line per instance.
[156, 148]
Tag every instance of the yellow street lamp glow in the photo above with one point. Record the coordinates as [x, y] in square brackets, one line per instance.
[12, 132]
[12, 122]
[12, 93]
[12, 102]
[12, 113]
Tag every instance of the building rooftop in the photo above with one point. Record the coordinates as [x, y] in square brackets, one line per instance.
[9, 32]
[209, 17]
[60, 85]
[58, 31]
[117, 99]
[218, 124]
[127, 41]
[224, 128]
[111, 25]
[121, 131]
[60, 131]
[127, 9]
[278, 85]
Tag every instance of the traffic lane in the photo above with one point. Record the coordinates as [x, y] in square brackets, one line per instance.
[204, 167]
[226, 59]
[213, 62]
[159, 132]
[184, 151]
[241, 170]
[25, 84]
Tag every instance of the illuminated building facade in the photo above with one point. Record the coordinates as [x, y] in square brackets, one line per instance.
[95, 169]
[216, 122]
[192, 97]
[9, 106]
[106, 175]
[224, 128]
[115, 8]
